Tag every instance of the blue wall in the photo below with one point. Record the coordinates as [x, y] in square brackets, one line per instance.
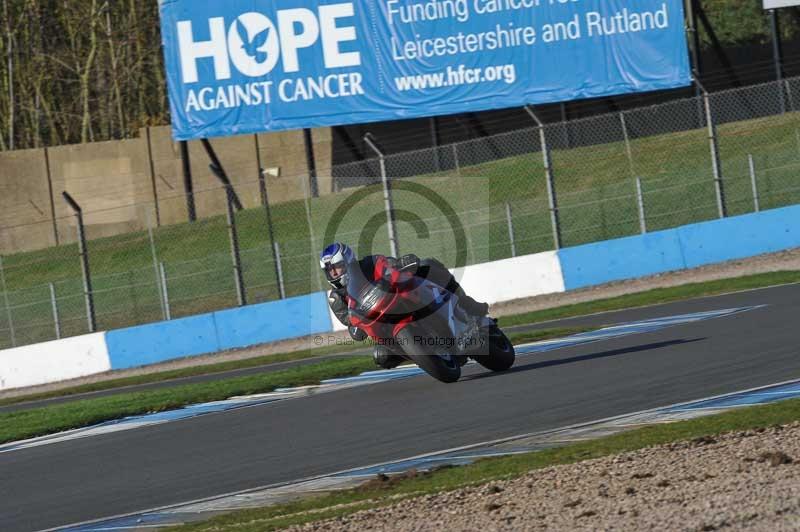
[740, 236]
[218, 331]
[688, 246]
[592, 264]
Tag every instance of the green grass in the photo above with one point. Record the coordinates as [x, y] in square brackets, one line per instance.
[596, 198]
[266, 360]
[47, 420]
[85, 412]
[492, 469]
[192, 371]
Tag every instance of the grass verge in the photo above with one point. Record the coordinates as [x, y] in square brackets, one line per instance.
[347, 502]
[46, 420]
[182, 373]
[262, 361]
[81, 413]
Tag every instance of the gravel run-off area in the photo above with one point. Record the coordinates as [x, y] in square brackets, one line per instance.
[739, 481]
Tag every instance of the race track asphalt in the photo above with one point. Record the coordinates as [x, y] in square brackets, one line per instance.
[74, 481]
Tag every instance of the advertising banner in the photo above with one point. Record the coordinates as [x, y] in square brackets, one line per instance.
[244, 66]
[777, 4]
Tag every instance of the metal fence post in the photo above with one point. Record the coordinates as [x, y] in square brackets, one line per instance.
[262, 184]
[782, 97]
[551, 188]
[309, 221]
[7, 305]
[797, 136]
[434, 126]
[628, 149]
[510, 220]
[219, 171]
[236, 257]
[754, 182]
[455, 159]
[165, 291]
[311, 162]
[155, 270]
[640, 204]
[715, 161]
[276, 249]
[188, 184]
[232, 203]
[565, 132]
[54, 304]
[777, 52]
[262, 181]
[471, 244]
[369, 139]
[84, 253]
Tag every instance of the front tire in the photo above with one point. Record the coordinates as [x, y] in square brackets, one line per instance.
[441, 365]
[501, 351]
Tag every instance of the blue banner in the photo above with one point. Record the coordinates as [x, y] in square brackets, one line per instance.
[245, 66]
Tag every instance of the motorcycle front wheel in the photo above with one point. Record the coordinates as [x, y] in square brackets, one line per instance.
[501, 351]
[438, 363]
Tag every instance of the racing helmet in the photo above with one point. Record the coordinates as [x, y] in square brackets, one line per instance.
[335, 261]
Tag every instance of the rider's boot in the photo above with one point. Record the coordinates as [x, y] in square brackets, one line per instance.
[470, 306]
[384, 358]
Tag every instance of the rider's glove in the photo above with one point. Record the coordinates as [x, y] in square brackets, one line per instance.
[338, 304]
[408, 263]
[357, 334]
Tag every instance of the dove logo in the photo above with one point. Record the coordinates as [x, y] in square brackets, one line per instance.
[255, 45]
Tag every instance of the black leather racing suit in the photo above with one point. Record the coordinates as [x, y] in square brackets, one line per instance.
[431, 269]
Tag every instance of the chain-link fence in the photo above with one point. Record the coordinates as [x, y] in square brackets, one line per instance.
[531, 190]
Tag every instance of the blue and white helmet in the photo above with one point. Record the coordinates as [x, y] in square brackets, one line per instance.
[335, 261]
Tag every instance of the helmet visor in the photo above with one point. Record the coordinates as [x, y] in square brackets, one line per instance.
[335, 271]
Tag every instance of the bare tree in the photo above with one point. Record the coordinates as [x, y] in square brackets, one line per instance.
[115, 74]
[86, 72]
[9, 38]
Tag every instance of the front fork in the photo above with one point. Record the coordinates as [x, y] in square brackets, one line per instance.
[472, 334]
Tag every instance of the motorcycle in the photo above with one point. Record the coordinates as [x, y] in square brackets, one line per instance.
[424, 324]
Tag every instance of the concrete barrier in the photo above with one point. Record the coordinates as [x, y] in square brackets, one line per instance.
[740, 236]
[623, 258]
[688, 246]
[278, 320]
[504, 280]
[59, 360]
[158, 342]
[218, 331]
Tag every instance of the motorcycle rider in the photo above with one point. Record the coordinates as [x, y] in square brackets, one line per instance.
[336, 261]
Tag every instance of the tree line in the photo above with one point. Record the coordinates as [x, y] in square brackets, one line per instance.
[74, 71]
[79, 71]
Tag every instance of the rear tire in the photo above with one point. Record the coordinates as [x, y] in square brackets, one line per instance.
[440, 365]
[501, 352]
